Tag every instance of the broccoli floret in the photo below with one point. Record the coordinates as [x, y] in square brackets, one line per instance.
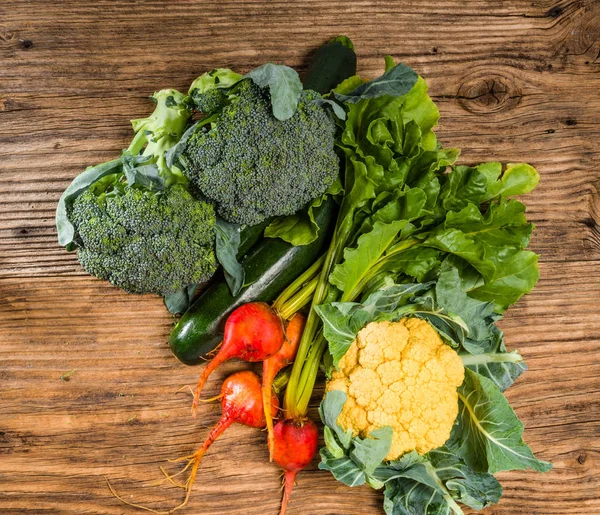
[145, 241]
[133, 220]
[253, 166]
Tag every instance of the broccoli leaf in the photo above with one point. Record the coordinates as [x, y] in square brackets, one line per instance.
[351, 460]
[227, 244]
[180, 301]
[337, 109]
[65, 229]
[283, 83]
[432, 485]
[146, 176]
[396, 81]
[301, 227]
[488, 434]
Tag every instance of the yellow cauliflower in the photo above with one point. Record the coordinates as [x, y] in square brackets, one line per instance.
[400, 374]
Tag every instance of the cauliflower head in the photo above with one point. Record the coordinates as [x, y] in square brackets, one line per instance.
[400, 374]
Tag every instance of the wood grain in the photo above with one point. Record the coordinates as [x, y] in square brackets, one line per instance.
[514, 80]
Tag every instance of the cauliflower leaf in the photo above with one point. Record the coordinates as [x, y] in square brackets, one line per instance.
[488, 434]
[351, 460]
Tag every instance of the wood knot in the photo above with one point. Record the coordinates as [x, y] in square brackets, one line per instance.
[488, 93]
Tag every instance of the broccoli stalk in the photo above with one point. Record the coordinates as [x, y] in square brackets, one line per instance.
[160, 131]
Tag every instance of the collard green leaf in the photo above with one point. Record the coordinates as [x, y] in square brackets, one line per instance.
[397, 81]
[284, 85]
[226, 249]
[488, 434]
[180, 301]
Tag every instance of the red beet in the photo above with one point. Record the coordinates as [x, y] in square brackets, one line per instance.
[253, 332]
[296, 443]
[275, 363]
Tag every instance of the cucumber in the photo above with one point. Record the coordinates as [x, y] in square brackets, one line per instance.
[269, 267]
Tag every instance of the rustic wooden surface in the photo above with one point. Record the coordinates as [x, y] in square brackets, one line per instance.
[514, 80]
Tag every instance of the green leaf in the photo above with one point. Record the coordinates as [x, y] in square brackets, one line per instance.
[337, 109]
[514, 278]
[487, 241]
[219, 78]
[146, 176]
[358, 261]
[517, 179]
[64, 228]
[329, 410]
[395, 82]
[284, 85]
[343, 320]
[226, 249]
[330, 65]
[433, 484]
[488, 434]
[490, 359]
[180, 301]
[351, 460]
[301, 227]
[451, 296]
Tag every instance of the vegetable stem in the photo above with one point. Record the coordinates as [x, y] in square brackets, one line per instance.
[293, 288]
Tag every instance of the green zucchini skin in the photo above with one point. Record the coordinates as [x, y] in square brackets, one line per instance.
[269, 267]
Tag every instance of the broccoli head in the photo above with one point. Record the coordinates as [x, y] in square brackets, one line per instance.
[144, 241]
[252, 165]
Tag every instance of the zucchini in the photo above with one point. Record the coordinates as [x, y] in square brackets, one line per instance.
[269, 267]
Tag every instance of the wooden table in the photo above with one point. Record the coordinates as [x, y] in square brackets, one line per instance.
[87, 382]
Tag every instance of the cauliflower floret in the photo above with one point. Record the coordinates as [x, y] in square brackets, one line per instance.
[400, 374]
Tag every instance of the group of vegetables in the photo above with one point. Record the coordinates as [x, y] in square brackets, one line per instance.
[349, 243]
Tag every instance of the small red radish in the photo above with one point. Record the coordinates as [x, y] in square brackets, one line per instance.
[253, 332]
[278, 361]
[296, 443]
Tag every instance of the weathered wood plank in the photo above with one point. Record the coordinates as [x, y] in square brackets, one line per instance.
[514, 80]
